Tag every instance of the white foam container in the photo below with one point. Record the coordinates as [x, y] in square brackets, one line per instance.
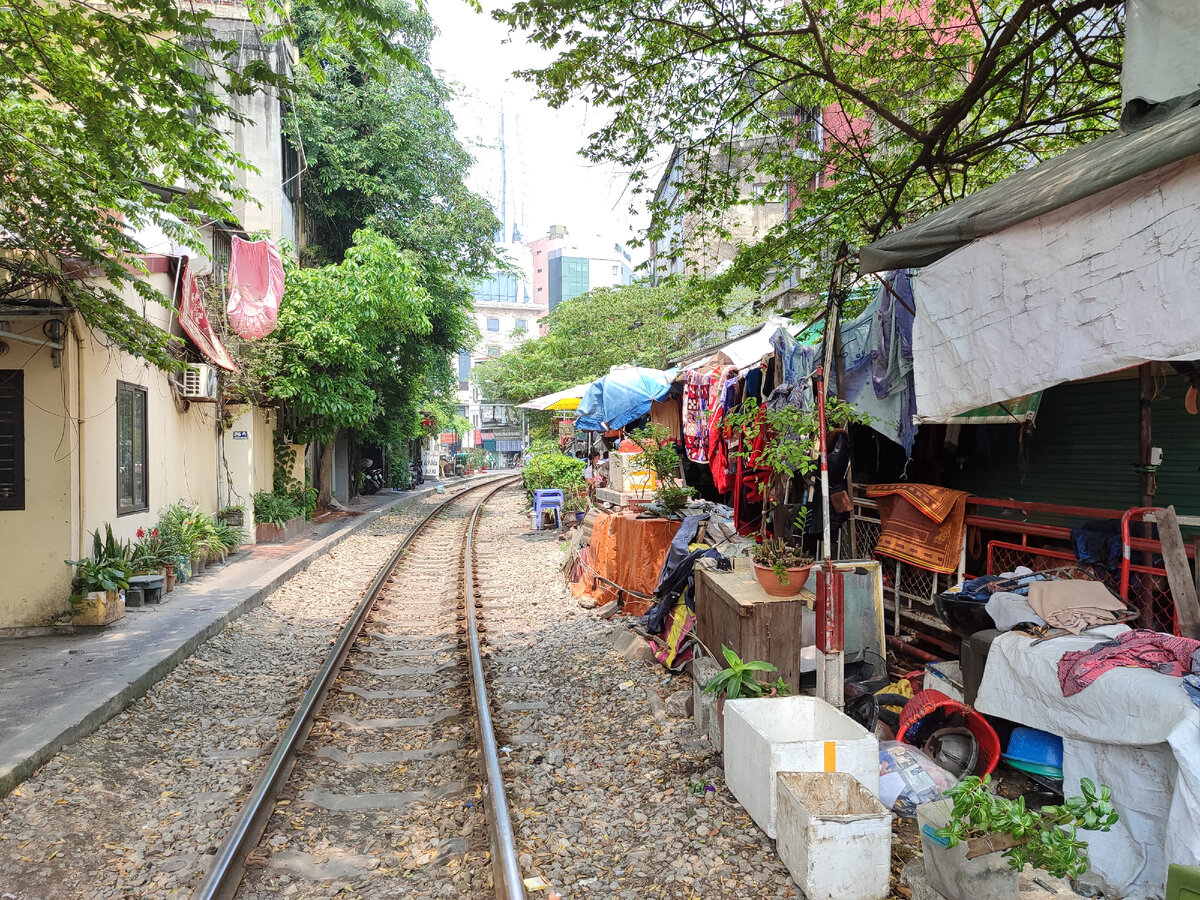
[835, 837]
[768, 735]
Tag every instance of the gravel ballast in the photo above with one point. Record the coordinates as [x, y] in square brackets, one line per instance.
[613, 794]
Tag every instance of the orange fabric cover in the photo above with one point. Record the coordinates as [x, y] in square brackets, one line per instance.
[627, 551]
[923, 524]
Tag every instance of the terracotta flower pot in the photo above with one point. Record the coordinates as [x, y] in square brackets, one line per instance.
[169, 583]
[774, 587]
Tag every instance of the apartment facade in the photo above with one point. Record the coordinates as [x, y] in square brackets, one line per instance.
[92, 436]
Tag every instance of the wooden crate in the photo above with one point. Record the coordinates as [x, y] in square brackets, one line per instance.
[733, 609]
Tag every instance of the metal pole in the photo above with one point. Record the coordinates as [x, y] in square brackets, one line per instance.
[831, 671]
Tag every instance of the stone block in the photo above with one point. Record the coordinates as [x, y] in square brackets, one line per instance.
[633, 647]
[704, 706]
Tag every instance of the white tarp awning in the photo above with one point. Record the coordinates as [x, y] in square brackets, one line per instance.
[1103, 283]
[745, 351]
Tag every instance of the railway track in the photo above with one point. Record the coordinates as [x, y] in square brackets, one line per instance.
[399, 791]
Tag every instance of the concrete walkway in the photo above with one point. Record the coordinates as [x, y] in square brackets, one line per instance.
[56, 688]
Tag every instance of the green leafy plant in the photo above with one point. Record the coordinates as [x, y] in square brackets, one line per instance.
[546, 471]
[149, 553]
[737, 680]
[271, 508]
[477, 458]
[575, 502]
[1047, 839]
[107, 569]
[230, 536]
[658, 454]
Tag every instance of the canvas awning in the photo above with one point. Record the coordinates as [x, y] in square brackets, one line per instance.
[1082, 266]
[565, 399]
[1151, 136]
[743, 351]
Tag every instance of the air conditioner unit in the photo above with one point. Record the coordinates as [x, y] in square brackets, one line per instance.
[200, 383]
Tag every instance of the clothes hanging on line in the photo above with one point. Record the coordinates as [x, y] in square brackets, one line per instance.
[694, 415]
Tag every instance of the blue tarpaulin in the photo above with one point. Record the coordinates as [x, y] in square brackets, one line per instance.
[621, 397]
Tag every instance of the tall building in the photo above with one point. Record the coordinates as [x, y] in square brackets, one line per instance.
[565, 266]
[505, 308]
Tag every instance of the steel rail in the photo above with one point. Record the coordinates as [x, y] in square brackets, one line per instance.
[506, 869]
[225, 873]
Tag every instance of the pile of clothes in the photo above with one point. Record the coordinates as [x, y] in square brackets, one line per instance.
[1042, 600]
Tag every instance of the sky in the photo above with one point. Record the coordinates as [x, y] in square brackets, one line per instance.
[477, 57]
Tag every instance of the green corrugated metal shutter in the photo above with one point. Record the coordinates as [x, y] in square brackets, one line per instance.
[1084, 450]
[1179, 436]
[1081, 453]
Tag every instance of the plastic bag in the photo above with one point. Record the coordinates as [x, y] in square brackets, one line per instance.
[908, 778]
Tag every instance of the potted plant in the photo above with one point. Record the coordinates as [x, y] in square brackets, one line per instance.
[98, 581]
[740, 679]
[994, 829]
[658, 454]
[233, 515]
[780, 568]
[785, 440]
[576, 503]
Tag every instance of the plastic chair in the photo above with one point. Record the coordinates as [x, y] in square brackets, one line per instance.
[545, 501]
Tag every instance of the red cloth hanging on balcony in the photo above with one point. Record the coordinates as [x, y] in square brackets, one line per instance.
[194, 319]
[255, 288]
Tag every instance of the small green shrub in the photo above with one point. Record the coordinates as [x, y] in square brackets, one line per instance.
[546, 471]
[274, 509]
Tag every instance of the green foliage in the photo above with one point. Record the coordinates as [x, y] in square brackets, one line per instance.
[790, 445]
[361, 346]
[102, 104]
[587, 335]
[737, 679]
[187, 531]
[477, 458]
[918, 103]
[274, 508]
[547, 471]
[107, 569]
[230, 536]
[150, 553]
[658, 454]
[285, 463]
[1048, 839]
[382, 154]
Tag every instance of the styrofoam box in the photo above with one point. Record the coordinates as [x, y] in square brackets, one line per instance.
[768, 735]
[835, 837]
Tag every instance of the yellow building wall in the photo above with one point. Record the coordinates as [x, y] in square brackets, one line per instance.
[181, 446]
[35, 541]
[71, 460]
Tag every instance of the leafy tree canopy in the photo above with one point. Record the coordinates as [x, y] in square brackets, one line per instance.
[102, 103]
[382, 154]
[359, 344]
[862, 114]
[633, 324]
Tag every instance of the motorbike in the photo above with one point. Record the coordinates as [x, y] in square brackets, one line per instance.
[372, 477]
[416, 473]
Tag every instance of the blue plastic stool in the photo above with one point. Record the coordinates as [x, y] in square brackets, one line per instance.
[544, 501]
